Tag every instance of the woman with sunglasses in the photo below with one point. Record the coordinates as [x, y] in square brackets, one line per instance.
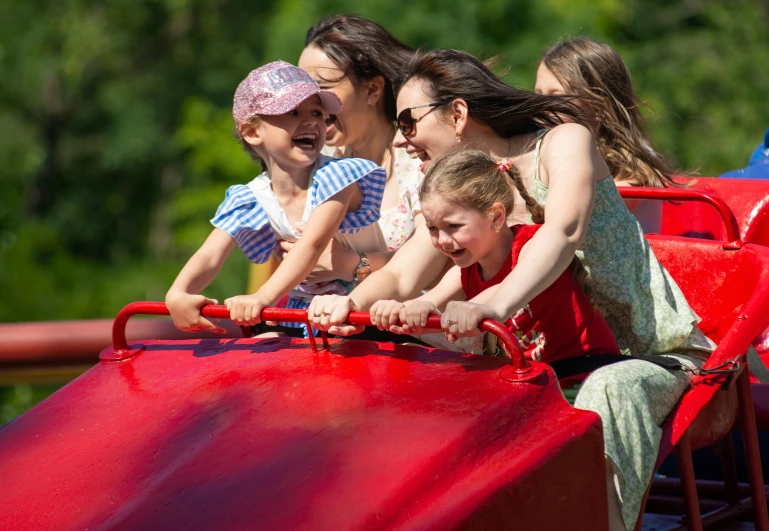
[449, 99]
[357, 59]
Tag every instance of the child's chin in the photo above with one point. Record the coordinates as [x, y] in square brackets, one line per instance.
[460, 260]
[308, 157]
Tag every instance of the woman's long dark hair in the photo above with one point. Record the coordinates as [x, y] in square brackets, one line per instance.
[363, 50]
[447, 74]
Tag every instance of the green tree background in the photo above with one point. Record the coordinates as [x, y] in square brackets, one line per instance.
[116, 129]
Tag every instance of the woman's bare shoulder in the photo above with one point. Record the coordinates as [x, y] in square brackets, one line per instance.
[569, 133]
[566, 141]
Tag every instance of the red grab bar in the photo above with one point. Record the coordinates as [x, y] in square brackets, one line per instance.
[121, 350]
[684, 194]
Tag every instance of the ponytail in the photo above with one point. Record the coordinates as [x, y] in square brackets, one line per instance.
[535, 210]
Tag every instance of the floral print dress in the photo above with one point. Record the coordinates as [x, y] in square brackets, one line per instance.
[397, 222]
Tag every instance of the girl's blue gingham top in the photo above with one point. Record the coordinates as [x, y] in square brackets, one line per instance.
[242, 217]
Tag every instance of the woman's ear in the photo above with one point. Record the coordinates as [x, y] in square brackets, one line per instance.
[460, 115]
[375, 89]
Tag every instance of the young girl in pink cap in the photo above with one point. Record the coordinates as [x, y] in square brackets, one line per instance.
[279, 115]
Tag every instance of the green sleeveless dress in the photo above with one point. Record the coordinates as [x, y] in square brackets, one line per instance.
[643, 305]
[649, 315]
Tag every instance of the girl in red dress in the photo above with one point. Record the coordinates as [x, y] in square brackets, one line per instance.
[466, 200]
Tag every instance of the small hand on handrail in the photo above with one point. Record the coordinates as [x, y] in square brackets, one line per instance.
[121, 349]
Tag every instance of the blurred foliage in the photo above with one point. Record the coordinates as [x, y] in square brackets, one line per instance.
[16, 399]
[115, 116]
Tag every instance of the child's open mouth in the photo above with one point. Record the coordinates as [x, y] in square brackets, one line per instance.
[306, 141]
[457, 254]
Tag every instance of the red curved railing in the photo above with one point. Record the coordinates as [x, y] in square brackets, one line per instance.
[685, 194]
[122, 350]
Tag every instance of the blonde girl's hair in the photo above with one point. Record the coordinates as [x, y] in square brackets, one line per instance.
[472, 179]
[596, 74]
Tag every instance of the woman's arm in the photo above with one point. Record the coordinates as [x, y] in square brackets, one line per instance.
[571, 164]
[338, 262]
[321, 226]
[182, 298]
[413, 267]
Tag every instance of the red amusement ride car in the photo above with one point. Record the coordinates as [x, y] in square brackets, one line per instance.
[281, 433]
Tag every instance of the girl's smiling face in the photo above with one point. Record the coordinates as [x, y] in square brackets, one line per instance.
[433, 135]
[293, 139]
[461, 233]
[342, 129]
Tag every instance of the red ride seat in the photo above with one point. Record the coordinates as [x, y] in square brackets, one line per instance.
[729, 290]
[747, 198]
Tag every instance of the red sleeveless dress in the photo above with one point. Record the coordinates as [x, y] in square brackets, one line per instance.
[558, 323]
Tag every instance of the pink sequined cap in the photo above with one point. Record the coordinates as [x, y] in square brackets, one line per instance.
[277, 88]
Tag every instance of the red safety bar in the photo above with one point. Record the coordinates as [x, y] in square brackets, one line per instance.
[733, 240]
[121, 349]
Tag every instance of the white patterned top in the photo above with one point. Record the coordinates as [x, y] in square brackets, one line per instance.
[397, 222]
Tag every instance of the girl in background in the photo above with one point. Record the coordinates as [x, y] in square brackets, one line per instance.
[595, 74]
[279, 115]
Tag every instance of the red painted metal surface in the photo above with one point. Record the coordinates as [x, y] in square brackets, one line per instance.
[748, 199]
[730, 227]
[689, 216]
[265, 433]
[729, 289]
[236, 434]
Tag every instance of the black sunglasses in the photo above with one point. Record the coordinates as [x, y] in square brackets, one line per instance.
[407, 124]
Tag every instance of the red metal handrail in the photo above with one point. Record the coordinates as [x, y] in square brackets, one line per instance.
[121, 349]
[733, 240]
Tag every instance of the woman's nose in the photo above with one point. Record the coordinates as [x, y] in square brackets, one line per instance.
[399, 141]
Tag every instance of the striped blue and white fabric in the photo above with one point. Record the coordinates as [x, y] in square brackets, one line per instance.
[242, 217]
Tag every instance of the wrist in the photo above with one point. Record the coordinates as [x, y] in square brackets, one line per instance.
[362, 268]
[348, 264]
[267, 300]
[174, 294]
[499, 314]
